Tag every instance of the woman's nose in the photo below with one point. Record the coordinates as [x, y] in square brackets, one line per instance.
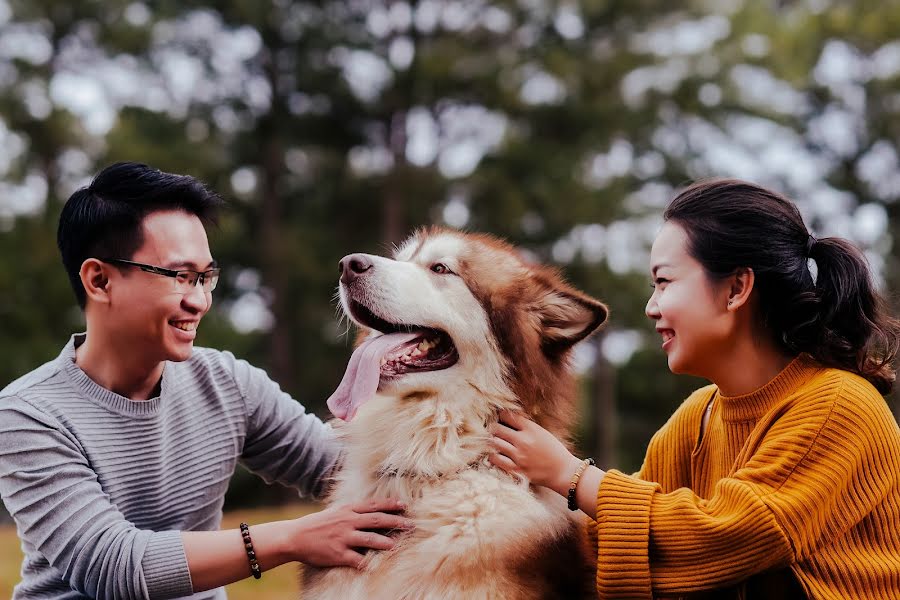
[652, 310]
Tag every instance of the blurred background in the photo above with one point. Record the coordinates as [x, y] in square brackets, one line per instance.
[339, 126]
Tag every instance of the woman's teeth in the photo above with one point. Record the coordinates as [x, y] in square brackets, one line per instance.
[185, 326]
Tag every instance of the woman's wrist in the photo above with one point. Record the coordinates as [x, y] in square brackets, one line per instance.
[564, 475]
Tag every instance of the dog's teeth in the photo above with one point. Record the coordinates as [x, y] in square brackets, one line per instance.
[383, 361]
[423, 346]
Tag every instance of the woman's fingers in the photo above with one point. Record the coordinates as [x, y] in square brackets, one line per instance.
[501, 431]
[503, 462]
[513, 420]
[503, 447]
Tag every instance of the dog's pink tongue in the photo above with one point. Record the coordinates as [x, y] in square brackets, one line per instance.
[363, 371]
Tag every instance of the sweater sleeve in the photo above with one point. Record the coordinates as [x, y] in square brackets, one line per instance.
[61, 510]
[284, 443]
[821, 466]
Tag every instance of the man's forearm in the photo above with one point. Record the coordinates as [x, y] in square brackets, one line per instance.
[217, 558]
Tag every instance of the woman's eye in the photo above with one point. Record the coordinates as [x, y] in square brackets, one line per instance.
[440, 268]
[659, 282]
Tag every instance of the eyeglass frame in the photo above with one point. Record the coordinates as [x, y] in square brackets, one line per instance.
[202, 277]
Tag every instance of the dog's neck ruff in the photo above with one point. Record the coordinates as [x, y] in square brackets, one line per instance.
[397, 473]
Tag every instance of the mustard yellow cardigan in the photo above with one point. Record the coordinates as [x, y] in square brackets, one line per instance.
[793, 490]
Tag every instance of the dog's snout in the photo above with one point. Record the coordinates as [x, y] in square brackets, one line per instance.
[354, 265]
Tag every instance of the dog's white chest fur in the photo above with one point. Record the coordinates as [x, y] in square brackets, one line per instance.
[476, 526]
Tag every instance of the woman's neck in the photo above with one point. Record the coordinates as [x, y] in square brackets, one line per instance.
[750, 365]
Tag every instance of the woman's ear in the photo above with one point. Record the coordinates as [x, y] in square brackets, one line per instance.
[740, 285]
[95, 280]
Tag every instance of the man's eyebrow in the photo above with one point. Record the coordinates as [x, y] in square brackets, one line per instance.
[192, 266]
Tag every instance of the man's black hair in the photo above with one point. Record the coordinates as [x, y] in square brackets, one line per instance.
[104, 219]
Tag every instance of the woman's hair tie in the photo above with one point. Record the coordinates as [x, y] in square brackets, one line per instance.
[810, 243]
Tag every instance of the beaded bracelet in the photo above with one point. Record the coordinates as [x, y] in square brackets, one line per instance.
[573, 485]
[251, 554]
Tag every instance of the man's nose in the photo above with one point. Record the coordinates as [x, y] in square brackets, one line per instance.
[197, 298]
[354, 265]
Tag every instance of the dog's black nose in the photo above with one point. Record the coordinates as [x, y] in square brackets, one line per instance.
[354, 265]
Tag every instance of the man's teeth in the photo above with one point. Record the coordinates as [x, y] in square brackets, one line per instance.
[185, 326]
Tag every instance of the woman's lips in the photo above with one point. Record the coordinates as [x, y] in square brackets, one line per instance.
[667, 336]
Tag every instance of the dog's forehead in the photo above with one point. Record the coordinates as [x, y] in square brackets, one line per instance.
[431, 247]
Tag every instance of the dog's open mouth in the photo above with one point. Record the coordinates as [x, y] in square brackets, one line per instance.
[430, 349]
[401, 349]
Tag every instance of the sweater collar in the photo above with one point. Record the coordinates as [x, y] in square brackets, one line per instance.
[100, 395]
[752, 406]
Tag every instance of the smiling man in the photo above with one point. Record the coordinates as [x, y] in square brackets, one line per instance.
[115, 457]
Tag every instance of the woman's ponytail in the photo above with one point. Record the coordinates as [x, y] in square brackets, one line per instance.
[854, 330]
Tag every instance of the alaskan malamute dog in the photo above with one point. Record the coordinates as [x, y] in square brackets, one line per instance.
[457, 327]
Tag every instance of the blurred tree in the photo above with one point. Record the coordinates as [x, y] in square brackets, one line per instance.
[339, 126]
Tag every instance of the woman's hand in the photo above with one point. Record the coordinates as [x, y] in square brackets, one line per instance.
[522, 446]
[339, 535]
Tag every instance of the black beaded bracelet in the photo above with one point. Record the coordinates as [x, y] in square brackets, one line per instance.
[251, 554]
[573, 504]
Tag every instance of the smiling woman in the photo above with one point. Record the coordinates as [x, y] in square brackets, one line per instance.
[780, 477]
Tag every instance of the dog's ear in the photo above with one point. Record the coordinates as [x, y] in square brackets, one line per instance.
[567, 317]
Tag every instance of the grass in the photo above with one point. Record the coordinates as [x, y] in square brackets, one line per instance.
[276, 584]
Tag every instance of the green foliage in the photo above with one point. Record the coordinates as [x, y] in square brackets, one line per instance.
[286, 117]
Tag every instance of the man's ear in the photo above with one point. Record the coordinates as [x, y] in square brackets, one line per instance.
[740, 285]
[95, 280]
[567, 317]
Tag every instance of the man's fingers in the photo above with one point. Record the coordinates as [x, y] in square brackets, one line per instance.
[351, 558]
[381, 520]
[379, 505]
[370, 539]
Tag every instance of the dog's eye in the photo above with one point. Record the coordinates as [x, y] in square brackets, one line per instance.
[440, 268]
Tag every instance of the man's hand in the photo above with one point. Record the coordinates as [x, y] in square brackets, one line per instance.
[522, 446]
[339, 535]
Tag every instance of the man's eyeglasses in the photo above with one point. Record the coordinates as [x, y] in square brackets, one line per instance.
[184, 281]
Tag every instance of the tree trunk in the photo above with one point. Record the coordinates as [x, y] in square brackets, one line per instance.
[280, 351]
[394, 223]
[604, 408]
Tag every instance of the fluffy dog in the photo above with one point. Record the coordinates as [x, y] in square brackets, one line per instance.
[457, 327]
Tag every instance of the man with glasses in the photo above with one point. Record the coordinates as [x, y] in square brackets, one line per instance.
[115, 457]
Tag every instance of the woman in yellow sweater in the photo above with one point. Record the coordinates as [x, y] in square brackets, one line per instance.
[782, 478]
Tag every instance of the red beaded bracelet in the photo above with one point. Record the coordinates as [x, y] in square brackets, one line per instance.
[251, 554]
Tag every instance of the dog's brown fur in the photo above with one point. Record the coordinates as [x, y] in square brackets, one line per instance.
[480, 533]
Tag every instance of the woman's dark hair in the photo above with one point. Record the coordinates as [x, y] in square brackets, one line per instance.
[103, 220]
[839, 318]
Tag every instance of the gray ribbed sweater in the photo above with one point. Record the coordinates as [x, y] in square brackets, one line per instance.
[100, 486]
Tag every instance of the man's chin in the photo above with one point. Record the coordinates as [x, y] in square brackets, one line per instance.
[180, 353]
